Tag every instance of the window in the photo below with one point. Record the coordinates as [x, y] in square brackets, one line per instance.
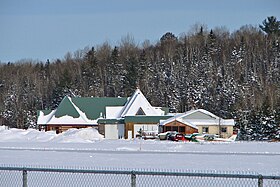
[205, 129]
[224, 129]
[167, 128]
[182, 130]
[174, 128]
[140, 112]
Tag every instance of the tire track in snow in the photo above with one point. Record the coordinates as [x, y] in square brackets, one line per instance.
[123, 151]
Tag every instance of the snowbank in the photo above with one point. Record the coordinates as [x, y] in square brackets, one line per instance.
[84, 135]
[78, 136]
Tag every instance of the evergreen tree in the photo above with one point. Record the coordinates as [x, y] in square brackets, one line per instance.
[90, 70]
[271, 26]
[131, 75]
[117, 73]
[268, 120]
[10, 112]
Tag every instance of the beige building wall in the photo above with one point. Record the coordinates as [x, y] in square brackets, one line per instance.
[111, 131]
[214, 129]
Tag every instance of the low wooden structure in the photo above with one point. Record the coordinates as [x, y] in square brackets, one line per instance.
[61, 128]
[179, 127]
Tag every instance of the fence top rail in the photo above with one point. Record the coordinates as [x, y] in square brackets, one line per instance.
[129, 172]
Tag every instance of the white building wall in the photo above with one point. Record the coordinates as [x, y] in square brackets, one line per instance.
[114, 131]
[112, 112]
[111, 131]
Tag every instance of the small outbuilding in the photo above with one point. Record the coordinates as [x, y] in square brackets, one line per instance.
[201, 121]
[179, 126]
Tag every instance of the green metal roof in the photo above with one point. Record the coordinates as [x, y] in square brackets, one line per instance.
[145, 119]
[134, 119]
[93, 106]
[66, 108]
[110, 121]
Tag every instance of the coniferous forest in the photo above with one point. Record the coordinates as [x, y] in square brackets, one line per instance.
[232, 74]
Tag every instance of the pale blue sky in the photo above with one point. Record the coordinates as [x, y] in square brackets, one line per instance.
[48, 29]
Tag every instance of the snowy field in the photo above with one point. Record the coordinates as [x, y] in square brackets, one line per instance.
[85, 148]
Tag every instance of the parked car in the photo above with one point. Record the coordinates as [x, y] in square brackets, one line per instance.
[206, 137]
[172, 135]
[178, 137]
[165, 135]
[192, 137]
[148, 135]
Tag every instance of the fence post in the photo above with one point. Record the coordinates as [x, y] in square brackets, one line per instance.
[260, 181]
[133, 179]
[24, 178]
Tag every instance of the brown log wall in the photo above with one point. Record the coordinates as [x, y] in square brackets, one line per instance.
[175, 126]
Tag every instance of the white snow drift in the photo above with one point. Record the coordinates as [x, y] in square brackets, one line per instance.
[84, 135]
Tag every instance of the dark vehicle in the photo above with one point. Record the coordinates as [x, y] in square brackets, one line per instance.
[165, 135]
[178, 137]
[171, 136]
[191, 137]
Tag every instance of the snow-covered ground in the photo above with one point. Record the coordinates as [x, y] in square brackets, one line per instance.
[85, 148]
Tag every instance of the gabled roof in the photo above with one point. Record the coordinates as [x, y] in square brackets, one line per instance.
[203, 112]
[137, 101]
[66, 107]
[68, 113]
[87, 110]
[79, 110]
[176, 117]
[198, 117]
[93, 107]
[179, 118]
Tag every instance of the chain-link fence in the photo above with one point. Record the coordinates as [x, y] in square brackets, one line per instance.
[52, 177]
